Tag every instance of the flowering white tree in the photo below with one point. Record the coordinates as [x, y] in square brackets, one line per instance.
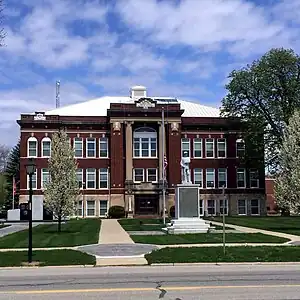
[287, 183]
[62, 190]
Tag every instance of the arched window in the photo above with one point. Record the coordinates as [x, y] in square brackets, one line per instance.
[240, 148]
[32, 145]
[46, 147]
[145, 142]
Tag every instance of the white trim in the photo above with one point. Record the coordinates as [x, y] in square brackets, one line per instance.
[246, 207]
[227, 206]
[214, 178]
[86, 178]
[215, 207]
[148, 137]
[185, 141]
[107, 208]
[236, 149]
[107, 181]
[36, 181]
[198, 141]
[77, 206]
[258, 206]
[225, 143]
[226, 179]
[213, 143]
[86, 208]
[88, 140]
[245, 179]
[194, 174]
[201, 201]
[101, 142]
[45, 139]
[79, 140]
[257, 180]
[81, 176]
[32, 139]
[134, 170]
[42, 184]
[147, 175]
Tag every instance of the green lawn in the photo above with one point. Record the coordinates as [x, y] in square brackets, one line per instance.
[233, 254]
[289, 225]
[47, 258]
[142, 224]
[206, 238]
[74, 233]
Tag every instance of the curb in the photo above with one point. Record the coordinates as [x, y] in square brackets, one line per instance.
[47, 267]
[224, 264]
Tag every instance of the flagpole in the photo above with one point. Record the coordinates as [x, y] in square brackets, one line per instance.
[163, 164]
[13, 197]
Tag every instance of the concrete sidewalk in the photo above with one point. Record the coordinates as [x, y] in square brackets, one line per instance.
[112, 232]
[293, 238]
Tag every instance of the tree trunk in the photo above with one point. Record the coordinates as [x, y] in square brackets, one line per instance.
[59, 223]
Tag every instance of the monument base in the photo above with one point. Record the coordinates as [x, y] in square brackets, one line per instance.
[187, 225]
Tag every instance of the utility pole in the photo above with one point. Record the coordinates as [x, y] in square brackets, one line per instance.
[163, 164]
[223, 212]
[57, 94]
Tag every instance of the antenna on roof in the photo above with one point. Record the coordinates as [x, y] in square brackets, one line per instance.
[57, 93]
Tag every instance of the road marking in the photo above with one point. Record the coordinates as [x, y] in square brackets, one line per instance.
[170, 288]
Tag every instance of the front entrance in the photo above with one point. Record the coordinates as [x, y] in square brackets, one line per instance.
[146, 204]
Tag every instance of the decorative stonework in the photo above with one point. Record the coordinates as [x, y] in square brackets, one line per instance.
[116, 126]
[174, 126]
[145, 103]
[39, 116]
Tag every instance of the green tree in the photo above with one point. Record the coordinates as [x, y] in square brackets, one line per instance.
[264, 95]
[2, 190]
[287, 183]
[12, 170]
[62, 190]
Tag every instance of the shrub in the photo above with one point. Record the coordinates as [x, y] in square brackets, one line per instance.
[172, 211]
[116, 212]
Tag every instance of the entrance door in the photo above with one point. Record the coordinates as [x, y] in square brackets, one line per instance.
[146, 204]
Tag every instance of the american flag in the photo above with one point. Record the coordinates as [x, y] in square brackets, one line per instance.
[165, 162]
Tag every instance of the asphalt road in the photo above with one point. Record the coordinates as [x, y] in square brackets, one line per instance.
[171, 283]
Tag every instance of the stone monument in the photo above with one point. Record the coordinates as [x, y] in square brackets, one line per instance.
[187, 204]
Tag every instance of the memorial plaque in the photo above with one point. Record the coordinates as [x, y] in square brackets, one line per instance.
[188, 202]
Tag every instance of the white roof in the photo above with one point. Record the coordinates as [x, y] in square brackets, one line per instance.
[99, 106]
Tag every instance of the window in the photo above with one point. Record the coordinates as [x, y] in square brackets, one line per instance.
[103, 147]
[254, 178]
[242, 207]
[211, 207]
[209, 148]
[103, 178]
[221, 145]
[32, 147]
[79, 176]
[45, 177]
[91, 178]
[197, 148]
[185, 147]
[240, 148]
[78, 147]
[103, 207]
[90, 208]
[138, 175]
[145, 142]
[34, 181]
[241, 178]
[225, 203]
[254, 207]
[79, 209]
[201, 211]
[198, 177]
[151, 175]
[46, 147]
[222, 177]
[210, 178]
[90, 147]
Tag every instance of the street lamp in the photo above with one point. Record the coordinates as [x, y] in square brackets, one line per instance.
[30, 170]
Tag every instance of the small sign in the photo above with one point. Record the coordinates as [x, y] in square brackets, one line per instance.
[39, 117]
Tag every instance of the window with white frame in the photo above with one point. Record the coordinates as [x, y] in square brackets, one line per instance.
[78, 147]
[32, 147]
[240, 148]
[103, 178]
[138, 175]
[221, 148]
[197, 148]
[90, 147]
[201, 207]
[90, 208]
[145, 142]
[222, 177]
[45, 177]
[254, 207]
[209, 148]
[90, 178]
[79, 211]
[103, 147]
[185, 147]
[198, 177]
[103, 208]
[151, 175]
[46, 147]
[241, 178]
[211, 207]
[79, 176]
[254, 178]
[242, 207]
[224, 205]
[210, 178]
[34, 181]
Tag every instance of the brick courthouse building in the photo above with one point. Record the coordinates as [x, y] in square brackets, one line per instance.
[118, 143]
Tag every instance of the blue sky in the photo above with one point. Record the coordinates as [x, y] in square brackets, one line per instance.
[180, 48]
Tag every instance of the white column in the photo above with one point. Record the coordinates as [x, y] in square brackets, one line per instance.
[128, 141]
